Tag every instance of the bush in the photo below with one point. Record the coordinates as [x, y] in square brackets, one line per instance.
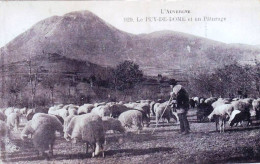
[127, 75]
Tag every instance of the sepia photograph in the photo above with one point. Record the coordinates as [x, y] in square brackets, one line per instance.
[129, 82]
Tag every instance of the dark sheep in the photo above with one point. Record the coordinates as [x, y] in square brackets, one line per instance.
[242, 116]
[43, 139]
[192, 103]
[203, 111]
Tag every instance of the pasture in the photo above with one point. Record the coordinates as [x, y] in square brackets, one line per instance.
[166, 145]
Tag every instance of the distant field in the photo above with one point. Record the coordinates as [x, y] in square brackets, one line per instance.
[166, 145]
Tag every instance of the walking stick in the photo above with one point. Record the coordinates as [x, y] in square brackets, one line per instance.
[163, 112]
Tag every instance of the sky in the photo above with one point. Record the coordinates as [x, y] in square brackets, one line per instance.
[241, 24]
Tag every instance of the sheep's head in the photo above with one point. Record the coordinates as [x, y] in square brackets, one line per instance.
[233, 121]
[121, 129]
[210, 117]
[24, 137]
[75, 140]
[67, 137]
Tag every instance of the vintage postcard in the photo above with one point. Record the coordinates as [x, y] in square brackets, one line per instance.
[130, 81]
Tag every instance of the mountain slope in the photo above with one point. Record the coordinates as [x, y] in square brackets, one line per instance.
[83, 36]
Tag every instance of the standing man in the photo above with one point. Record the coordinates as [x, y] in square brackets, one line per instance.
[182, 99]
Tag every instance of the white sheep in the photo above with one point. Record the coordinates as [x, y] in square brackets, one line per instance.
[225, 109]
[140, 106]
[219, 102]
[13, 120]
[63, 112]
[67, 121]
[40, 118]
[23, 111]
[69, 106]
[160, 108]
[9, 110]
[210, 100]
[30, 113]
[110, 123]
[56, 107]
[242, 105]
[27, 130]
[102, 110]
[87, 128]
[131, 118]
[42, 127]
[86, 108]
[221, 112]
[72, 111]
[196, 99]
[256, 104]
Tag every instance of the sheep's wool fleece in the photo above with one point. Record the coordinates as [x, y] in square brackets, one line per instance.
[41, 118]
[110, 123]
[130, 117]
[88, 127]
[43, 136]
[233, 114]
[27, 129]
[12, 118]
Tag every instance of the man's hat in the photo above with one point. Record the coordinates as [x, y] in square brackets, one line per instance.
[172, 82]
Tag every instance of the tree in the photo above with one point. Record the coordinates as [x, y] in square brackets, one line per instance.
[49, 81]
[15, 85]
[33, 78]
[126, 75]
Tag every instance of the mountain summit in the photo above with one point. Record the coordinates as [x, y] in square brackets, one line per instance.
[83, 36]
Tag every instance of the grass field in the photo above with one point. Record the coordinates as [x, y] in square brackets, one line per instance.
[166, 145]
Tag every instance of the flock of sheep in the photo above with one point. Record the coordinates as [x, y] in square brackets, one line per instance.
[89, 123]
[235, 111]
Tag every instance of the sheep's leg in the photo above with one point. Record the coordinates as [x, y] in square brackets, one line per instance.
[249, 120]
[175, 116]
[98, 148]
[2, 150]
[157, 120]
[45, 156]
[93, 150]
[103, 152]
[142, 123]
[139, 128]
[216, 122]
[51, 149]
[86, 148]
[223, 125]
[163, 122]
[168, 119]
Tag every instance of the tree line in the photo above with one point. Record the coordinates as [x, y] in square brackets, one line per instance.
[36, 87]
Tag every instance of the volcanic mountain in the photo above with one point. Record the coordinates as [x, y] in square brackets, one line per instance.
[82, 36]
